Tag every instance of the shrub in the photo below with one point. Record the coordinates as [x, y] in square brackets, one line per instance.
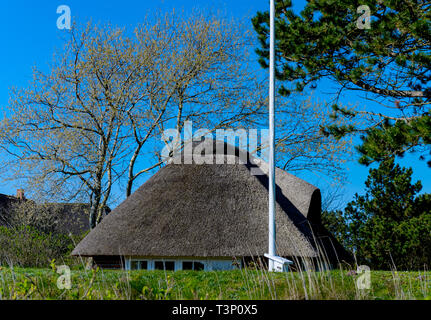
[25, 246]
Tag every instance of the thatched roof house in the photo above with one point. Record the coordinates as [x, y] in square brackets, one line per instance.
[204, 215]
[6, 203]
[62, 218]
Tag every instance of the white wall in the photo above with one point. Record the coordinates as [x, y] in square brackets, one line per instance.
[209, 264]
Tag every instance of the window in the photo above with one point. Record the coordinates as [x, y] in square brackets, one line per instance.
[164, 265]
[199, 266]
[138, 265]
[193, 265]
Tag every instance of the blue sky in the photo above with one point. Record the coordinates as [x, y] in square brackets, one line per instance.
[29, 36]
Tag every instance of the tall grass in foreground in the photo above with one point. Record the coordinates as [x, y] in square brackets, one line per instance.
[20, 283]
[312, 279]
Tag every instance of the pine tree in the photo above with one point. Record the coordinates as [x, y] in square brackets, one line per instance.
[390, 225]
[389, 60]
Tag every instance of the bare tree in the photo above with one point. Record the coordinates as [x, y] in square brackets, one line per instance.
[199, 72]
[95, 122]
[65, 132]
[75, 131]
[300, 145]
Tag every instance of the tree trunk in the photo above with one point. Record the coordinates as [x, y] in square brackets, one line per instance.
[94, 210]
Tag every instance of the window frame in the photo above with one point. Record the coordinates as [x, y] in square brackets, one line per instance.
[164, 265]
[139, 261]
[193, 262]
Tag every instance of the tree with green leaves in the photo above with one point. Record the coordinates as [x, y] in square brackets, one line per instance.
[390, 225]
[390, 62]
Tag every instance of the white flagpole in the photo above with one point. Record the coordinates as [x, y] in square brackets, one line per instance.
[271, 174]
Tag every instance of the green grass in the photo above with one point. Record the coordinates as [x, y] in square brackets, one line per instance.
[28, 283]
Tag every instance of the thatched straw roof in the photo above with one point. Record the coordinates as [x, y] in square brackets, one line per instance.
[5, 204]
[208, 210]
[63, 218]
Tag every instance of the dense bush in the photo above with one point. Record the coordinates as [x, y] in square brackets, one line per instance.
[26, 246]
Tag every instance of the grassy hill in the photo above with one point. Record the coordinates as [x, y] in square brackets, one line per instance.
[21, 283]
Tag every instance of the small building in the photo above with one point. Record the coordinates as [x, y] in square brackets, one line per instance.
[211, 217]
[6, 204]
[65, 217]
